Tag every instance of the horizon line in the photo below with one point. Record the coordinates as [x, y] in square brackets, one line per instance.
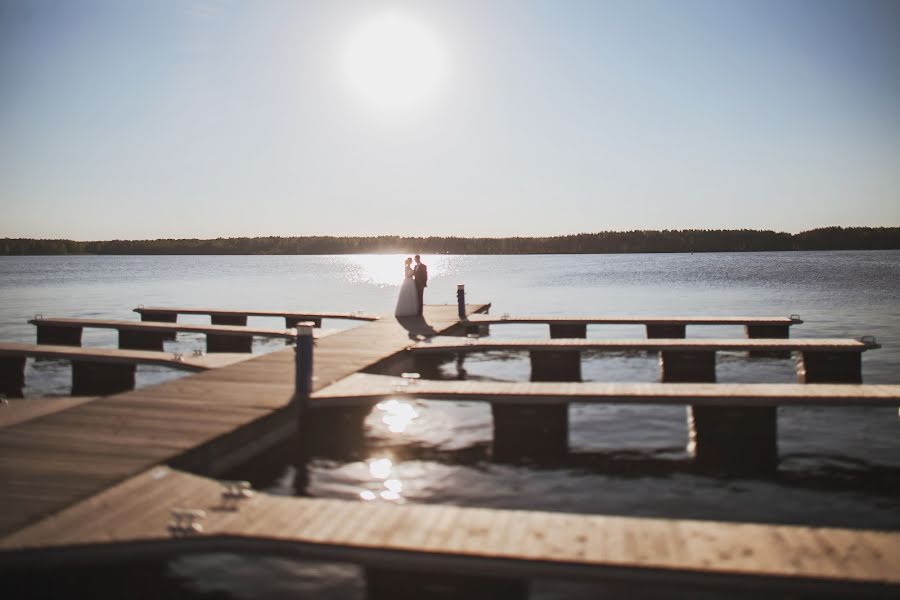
[459, 237]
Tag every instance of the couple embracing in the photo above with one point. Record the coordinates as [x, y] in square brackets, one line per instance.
[412, 291]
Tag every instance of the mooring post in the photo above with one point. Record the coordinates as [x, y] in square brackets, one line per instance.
[334, 432]
[461, 299]
[303, 364]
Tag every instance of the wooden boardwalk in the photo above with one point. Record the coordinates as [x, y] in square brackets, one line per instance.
[19, 411]
[98, 479]
[150, 326]
[175, 360]
[363, 389]
[630, 320]
[132, 519]
[207, 422]
[458, 344]
[239, 317]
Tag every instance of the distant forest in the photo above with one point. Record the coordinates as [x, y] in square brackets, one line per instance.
[609, 242]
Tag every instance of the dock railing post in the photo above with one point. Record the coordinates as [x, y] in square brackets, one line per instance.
[461, 299]
[303, 362]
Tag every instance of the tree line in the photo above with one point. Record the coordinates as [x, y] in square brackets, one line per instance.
[607, 242]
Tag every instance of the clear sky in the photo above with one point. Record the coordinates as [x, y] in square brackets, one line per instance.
[165, 118]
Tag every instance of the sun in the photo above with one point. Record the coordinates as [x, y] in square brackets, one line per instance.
[394, 62]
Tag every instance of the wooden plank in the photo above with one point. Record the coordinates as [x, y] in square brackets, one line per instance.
[353, 316]
[232, 330]
[630, 320]
[457, 344]
[363, 389]
[133, 516]
[18, 411]
[184, 362]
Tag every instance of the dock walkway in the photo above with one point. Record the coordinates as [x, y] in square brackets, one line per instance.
[147, 335]
[107, 480]
[208, 422]
[133, 520]
[656, 327]
[222, 316]
[362, 389]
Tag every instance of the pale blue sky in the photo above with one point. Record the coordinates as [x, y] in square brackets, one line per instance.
[160, 118]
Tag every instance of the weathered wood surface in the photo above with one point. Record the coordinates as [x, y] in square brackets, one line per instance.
[131, 520]
[364, 389]
[236, 330]
[460, 344]
[184, 362]
[21, 410]
[627, 320]
[353, 316]
[54, 461]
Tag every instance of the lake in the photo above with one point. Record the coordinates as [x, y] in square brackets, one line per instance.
[838, 467]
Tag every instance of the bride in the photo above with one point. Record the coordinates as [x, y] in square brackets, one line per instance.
[408, 301]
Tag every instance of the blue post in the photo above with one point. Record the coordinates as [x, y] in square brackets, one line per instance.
[461, 300]
[304, 362]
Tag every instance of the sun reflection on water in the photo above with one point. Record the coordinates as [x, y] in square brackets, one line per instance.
[387, 269]
[380, 467]
[398, 415]
[391, 488]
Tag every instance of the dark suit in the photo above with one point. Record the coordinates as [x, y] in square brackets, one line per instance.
[420, 274]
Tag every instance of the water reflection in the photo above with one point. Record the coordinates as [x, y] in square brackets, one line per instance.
[391, 488]
[387, 269]
[398, 415]
[380, 467]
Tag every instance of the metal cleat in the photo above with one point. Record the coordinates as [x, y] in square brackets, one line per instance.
[186, 521]
[235, 491]
[408, 380]
[869, 340]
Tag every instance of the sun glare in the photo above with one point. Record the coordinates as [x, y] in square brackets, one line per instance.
[394, 62]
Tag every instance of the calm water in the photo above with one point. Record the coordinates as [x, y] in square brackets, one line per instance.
[838, 466]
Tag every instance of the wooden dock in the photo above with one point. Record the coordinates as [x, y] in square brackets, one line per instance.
[362, 389]
[100, 370]
[105, 479]
[656, 327]
[147, 335]
[458, 344]
[531, 419]
[222, 316]
[174, 360]
[134, 520]
[681, 360]
[207, 423]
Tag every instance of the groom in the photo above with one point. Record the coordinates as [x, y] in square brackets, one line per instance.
[420, 274]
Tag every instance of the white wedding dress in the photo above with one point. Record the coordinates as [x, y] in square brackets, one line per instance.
[408, 300]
